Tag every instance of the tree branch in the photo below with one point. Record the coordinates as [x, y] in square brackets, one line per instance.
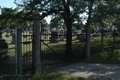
[77, 13]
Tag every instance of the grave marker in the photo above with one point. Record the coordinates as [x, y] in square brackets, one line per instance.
[61, 33]
[82, 37]
[7, 32]
[13, 38]
[54, 36]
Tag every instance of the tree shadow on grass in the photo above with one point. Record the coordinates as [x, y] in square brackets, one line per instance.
[110, 56]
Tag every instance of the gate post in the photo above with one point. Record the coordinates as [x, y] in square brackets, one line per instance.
[18, 54]
[36, 43]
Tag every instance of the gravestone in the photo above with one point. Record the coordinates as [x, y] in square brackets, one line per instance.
[91, 36]
[13, 38]
[3, 30]
[95, 36]
[82, 37]
[42, 32]
[41, 37]
[54, 36]
[105, 32]
[117, 34]
[31, 30]
[65, 33]
[61, 33]
[45, 35]
[7, 32]
[10, 32]
[75, 32]
[83, 30]
[78, 36]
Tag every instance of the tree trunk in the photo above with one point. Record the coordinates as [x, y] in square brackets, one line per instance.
[87, 43]
[68, 40]
[68, 23]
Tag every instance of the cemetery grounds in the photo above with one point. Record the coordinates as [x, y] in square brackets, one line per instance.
[109, 55]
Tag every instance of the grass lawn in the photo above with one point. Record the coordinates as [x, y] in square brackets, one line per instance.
[109, 55]
[59, 48]
[56, 76]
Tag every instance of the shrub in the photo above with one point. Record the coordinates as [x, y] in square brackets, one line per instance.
[3, 45]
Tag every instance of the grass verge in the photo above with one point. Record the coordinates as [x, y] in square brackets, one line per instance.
[56, 76]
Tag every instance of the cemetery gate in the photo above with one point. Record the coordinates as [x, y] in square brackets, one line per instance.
[27, 36]
[51, 44]
[53, 47]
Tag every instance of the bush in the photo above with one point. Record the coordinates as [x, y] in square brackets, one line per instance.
[3, 45]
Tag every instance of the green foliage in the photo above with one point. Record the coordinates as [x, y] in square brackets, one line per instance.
[105, 12]
[7, 17]
[12, 17]
[44, 23]
[54, 23]
[55, 76]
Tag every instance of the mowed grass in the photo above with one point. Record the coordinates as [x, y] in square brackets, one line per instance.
[56, 76]
[109, 55]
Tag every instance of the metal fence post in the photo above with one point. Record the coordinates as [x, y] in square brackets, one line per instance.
[36, 43]
[102, 34]
[18, 50]
[16, 62]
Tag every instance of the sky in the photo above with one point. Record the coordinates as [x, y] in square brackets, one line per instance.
[7, 3]
[11, 4]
